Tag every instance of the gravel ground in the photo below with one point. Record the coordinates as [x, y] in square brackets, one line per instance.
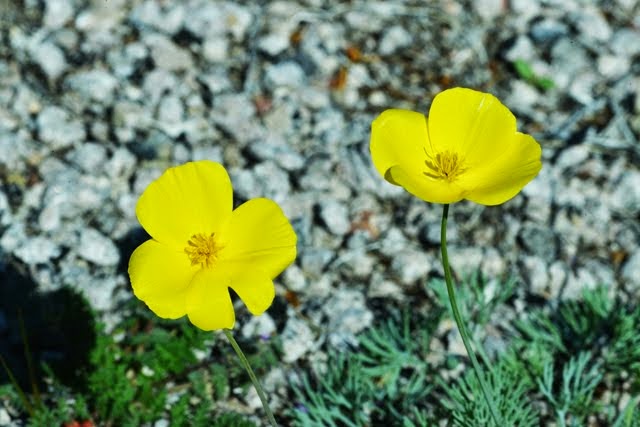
[98, 97]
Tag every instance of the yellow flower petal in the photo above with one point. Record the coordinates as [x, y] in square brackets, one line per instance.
[254, 288]
[471, 123]
[259, 236]
[189, 199]
[398, 138]
[468, 148]
[506, 176]
[160, 276]
[427, 189]
[208, 301]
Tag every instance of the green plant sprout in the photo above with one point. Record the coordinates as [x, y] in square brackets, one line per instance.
[526, 73]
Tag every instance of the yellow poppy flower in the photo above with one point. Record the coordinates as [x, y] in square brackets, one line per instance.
[200, 247]
[468, 148]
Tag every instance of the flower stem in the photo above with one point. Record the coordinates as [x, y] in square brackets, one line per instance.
[458, 318]
[254, 379]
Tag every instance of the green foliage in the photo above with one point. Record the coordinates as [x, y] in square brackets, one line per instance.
[339, 396]
[469, 409]
[574, 396]
[477, 297]
[526, 73]
[131, 379]
[595, 323]
[382, 383]
[623, 353]
[554, 368]
[393, 357]
[630, 416]
[555, 359]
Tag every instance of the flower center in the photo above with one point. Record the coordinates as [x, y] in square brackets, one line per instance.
[445, 165]
[202, 249]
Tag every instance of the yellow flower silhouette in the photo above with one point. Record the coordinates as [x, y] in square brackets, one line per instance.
[200, 247]
[468, 148]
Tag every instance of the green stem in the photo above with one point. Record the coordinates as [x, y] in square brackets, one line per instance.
[254, 379]
[23, 398]
[458, 318]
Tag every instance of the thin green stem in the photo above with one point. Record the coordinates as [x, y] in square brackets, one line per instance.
[21, 395]
[27, 355]
[458, 318]
[254, 379]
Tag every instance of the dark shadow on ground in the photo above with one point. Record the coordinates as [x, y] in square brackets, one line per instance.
[59, 325]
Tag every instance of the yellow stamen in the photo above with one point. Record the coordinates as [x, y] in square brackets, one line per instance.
[202, 249]
[445, 165]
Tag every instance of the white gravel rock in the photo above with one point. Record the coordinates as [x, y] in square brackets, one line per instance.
[568, 61]
[5, 418]
[523, 96]
[150, 13]
[335, 216]
[259, 327]
[578, 282]
[537, 276]
[592, 24]
[216, 49]
[97, 21]
[489, 9]
[285, 74]
[379, 287]
[314, 260]
[348, 315]
[5, 210]
[171, 115]
[210, 18]
[540, 193]
[558, 273]
[37, 250]
[57, 129]
[548, 29]
[161, 423]
[572, 157]
[90, 157]
[626, 42]
[97, 85]
[279, 151]
[266, 180]
[613, 66]
[57, 13]
[50, 58]
[168, 55]
[274, 44]
[294, 278]
[125, 62]
[100, 290]
[631, 272]
[121, 165]
[357, 264]
[156, 83]
[297, 339]
[581, 89]
[394, 39]
[411, 265]
[626, 195]
[465, 260]
[97, 248]
[235, 113]
[522, 49]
